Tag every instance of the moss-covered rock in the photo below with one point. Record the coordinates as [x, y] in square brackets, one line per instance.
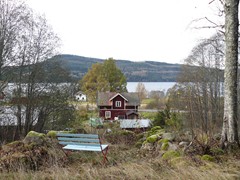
[165, 146]
[35, 134]
[157, 130]
[207, 157]
[52, 134]
[152, 138]
[35, 137]
[161, 141]
[35, 152]
[170, 155]
[169, 136]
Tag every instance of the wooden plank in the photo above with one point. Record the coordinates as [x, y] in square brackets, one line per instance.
[78, 135]
[82, 148]
[78, 139]
[78, 143]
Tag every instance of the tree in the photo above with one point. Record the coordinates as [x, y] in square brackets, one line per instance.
[26, 42]
[103, 77]
[141, 90]
[200, 89]
[36, 44]
[114, 76]
[229, 136]
[13, 17]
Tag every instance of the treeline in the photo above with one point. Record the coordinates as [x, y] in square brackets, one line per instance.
[148, 71]
[72, 68]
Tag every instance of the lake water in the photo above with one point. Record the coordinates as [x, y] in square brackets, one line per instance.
[151, 86]
[131, 86]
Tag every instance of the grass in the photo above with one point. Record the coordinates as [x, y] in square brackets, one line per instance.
[128, 163]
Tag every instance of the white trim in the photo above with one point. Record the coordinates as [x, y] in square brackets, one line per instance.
[117, 95]
[118, 103]
[107, 114]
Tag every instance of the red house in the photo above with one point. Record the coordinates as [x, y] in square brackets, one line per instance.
[114, 105]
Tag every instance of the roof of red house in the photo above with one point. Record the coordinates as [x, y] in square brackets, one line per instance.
[104, 98]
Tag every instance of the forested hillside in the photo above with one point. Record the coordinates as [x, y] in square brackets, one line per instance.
[147, 71]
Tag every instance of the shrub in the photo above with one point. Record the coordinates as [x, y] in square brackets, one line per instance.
[174, 122]
[121, 136]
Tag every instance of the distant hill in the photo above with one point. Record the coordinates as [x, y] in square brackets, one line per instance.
[147, 71]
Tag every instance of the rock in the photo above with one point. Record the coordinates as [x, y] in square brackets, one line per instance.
[152, 138]
[165, 146]
[52, 134]
[169, 136]
[35, 152]
[35, 137]
[172, 146]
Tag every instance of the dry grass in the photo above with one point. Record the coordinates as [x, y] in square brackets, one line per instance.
[129, 170]
[127, 163]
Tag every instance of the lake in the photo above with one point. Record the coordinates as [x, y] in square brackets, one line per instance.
[131, 86]
[151, 86]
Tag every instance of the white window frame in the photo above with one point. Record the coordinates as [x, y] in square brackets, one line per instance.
[107, 114]
[118, 103]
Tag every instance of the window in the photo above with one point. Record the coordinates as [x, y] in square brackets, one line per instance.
[118, 104]
[121, 117]
[107, 114]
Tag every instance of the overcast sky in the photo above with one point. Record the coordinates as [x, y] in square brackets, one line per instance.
[136, 30]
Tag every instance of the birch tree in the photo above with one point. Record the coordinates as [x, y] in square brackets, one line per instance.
[230, 130]
[141, 90]
[201, 85]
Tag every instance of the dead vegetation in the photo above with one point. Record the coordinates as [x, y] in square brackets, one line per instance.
[46, 160]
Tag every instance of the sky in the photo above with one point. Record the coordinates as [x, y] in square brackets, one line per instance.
[136, 30]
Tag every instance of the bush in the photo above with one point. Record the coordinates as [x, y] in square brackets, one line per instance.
[174, 122]
[121, 136]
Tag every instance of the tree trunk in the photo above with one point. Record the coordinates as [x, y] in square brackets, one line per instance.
[230, 130]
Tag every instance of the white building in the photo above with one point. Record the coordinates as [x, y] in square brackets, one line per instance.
[79, 96]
